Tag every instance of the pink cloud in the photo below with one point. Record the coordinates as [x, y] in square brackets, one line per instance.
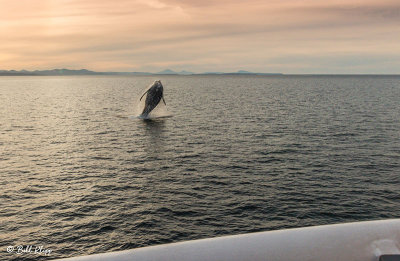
[193, 35]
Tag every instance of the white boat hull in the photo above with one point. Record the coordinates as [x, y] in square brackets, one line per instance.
[360, 241]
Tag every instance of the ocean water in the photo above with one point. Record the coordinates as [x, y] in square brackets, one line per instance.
[80, 175]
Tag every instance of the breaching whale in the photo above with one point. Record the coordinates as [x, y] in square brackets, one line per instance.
[154, 95]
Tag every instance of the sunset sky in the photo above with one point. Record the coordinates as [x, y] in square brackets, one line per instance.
[288, 36]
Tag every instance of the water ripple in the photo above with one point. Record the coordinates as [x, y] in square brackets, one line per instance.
[271, 153]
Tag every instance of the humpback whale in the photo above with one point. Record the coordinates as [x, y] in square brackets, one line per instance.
[154, 95]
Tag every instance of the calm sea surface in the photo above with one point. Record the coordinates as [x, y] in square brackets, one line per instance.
[79, 175]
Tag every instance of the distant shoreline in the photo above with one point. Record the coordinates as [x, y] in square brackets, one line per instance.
[63, 72]
[84, 72]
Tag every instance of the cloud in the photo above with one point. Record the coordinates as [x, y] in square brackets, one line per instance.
[199, 35]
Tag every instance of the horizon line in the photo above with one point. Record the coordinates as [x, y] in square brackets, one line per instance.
[171, 72]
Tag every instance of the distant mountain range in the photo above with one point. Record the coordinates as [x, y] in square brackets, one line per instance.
[168, 71]
[87, 72]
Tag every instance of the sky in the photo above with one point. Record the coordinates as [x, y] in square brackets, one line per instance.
[286, 36]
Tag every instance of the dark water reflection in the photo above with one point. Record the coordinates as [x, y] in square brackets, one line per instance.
[155, 135]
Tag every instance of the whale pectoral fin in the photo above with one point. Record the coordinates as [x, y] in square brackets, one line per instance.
[163, 100]
[143, 95]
